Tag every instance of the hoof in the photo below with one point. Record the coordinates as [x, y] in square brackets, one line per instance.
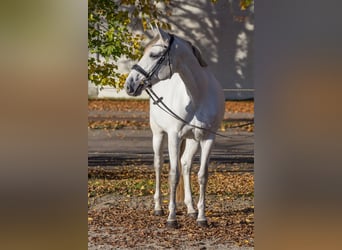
[193, 215]
[172, 224]
[158, 212]
[202, 223]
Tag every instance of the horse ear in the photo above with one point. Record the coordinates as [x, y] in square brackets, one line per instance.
[152, 28]
[198, 55]
[164, 35]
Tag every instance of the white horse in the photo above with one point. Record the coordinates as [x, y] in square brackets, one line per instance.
[174, 69]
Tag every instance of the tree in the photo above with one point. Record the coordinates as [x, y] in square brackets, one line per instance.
[109, 36]
[245, 4]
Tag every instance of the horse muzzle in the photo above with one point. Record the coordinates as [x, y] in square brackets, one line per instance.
[132, 88]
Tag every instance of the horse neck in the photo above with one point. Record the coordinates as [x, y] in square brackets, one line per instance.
[194, 78]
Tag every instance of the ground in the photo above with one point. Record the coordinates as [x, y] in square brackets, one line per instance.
[143, 105]
[114, 114]
[120, 204]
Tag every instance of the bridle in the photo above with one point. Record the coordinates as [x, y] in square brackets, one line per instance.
[146, 82]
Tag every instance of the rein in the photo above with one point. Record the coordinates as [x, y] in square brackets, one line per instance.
[159, 102]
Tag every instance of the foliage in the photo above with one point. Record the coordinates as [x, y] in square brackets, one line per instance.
[244, 4]
[109, 36]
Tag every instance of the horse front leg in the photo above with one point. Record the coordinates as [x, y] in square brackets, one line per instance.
[206, 146]
[158, 139]
[173, 145]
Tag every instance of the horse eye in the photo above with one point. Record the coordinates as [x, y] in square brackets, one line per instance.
[152, 55]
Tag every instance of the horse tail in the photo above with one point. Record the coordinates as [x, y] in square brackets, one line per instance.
[180, 186]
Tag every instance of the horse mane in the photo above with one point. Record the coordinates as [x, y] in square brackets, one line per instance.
[195, 50]
[198, 55]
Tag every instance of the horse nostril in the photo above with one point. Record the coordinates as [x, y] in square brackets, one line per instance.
[129, 88]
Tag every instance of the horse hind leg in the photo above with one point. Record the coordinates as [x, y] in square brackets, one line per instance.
[206, 146]
[186, 160]
[158, 140]
[180, 186]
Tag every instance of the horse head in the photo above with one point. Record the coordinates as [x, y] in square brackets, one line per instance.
[154, 66]
[162, 57]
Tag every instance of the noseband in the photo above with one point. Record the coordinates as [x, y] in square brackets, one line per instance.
[160, 61]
